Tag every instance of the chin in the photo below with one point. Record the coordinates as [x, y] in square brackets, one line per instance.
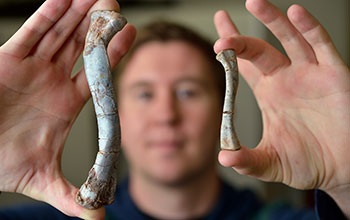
[174, 177]
[172, 181]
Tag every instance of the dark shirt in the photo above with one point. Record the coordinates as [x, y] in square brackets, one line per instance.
[231, 204]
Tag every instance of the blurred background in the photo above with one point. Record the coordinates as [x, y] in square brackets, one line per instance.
[81, 147]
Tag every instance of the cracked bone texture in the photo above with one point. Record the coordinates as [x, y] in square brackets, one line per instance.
[228, 136]
[100, 186]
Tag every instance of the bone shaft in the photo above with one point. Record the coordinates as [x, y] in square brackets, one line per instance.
[100, 185]
[228, 136]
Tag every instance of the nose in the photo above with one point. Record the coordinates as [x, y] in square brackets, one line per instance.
[166, 109]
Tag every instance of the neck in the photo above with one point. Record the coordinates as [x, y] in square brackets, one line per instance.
[192, 199]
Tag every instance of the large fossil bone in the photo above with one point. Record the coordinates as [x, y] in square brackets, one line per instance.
[228, 136]
[100, 185]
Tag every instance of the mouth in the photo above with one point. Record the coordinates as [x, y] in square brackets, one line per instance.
[166, 144]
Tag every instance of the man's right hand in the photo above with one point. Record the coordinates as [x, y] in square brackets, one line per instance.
[39, 100]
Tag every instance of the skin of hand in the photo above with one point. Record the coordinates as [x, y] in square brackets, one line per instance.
[304, 98]
[39, 100]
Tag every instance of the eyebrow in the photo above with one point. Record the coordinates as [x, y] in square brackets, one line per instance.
[192, 80]
[141, 83]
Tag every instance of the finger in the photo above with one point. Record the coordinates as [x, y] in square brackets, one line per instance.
[120, 44]
[252, 162]
[267, 59]
[117, 48]
[69, 53]
[224, 25]
[60, 32]
[315, 35]
[23, 41]
[292, 41]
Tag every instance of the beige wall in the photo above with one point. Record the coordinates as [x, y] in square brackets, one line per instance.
[81, 145]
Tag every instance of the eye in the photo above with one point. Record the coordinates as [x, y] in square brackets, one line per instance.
[144, 95]
[186, 93]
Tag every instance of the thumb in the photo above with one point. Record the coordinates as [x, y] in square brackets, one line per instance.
[61, 195]
[258, 163]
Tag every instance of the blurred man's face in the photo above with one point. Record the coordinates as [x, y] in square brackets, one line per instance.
[170, 112]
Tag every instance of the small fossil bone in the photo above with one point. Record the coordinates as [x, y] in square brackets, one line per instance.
[228, 136]
[100, 185]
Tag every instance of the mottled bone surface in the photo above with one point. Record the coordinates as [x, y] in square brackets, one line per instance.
[100, 185]
[228, 136]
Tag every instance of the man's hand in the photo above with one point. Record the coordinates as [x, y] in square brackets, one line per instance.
[304, 99]
[39, 100]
